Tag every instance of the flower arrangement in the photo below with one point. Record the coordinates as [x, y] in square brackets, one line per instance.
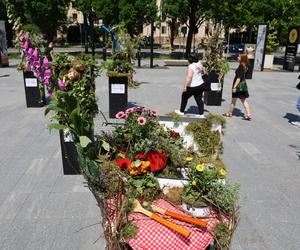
[73, 102]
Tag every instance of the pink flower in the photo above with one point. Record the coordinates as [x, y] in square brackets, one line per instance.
[61, 84]
[37, 64]
[130, 110]
[50, 92]
[141, 120]
[30, 52]
[120, 115]
[26, 36]
[47, 73]
[46, 81]
[46, 63]
[153, 112]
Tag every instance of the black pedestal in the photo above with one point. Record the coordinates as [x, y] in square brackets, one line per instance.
[249, 72]
[69, 154]
[213, 98]
[32, 91]
[118, 95]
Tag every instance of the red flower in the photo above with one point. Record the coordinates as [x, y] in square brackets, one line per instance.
[158, 160]
[174, 134]
[123, 163]
[121, 150]
[140, 156]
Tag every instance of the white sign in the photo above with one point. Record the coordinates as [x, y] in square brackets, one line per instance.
[260, 47]
[68, 136]
[118, 88]
[215, 86]
[31, 82]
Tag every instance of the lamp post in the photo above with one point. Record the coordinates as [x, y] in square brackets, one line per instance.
[151, 44]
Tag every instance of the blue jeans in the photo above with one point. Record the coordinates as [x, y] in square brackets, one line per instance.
[298, 104]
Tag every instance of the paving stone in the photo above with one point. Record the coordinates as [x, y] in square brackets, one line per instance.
[42, 209]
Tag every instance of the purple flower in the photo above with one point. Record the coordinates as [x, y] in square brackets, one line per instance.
[37, 64]
[28, 66]
[30, 52]
[26, 46]
[61, 84]
[46, 63]
[46, 81]
[141, 120]
[120, 115]
[35, 55]
[50, 92]
[47, 73]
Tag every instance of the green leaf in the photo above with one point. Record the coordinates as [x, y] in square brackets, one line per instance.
[56, 126]
[105, 145]
[84, 141]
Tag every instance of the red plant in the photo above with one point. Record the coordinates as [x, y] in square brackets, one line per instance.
[123, 163]
[158, 160]
[174, 135]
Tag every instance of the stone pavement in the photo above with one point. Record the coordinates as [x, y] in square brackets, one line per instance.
[42, 209]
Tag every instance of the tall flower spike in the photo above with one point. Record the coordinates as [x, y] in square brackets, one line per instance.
[61, 85]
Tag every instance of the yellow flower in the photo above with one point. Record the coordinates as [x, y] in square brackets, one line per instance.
[200, 168]
[223, 172]
[145, 164]
[194, 183]
[189, 158]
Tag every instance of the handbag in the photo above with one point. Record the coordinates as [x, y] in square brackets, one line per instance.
[242, 86]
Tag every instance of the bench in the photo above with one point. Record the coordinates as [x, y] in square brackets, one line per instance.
[176, 62]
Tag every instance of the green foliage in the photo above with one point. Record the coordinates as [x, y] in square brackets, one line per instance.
[129, 230]
[224, 196]
[214, 60]
[143, 187]
[47, 15]
[75, 107]
[209, 142]
[222, 233]
[272, 37]
[217, 119]
[118, 63]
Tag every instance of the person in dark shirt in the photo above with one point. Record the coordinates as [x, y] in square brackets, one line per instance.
[242, 95]
[48, 51]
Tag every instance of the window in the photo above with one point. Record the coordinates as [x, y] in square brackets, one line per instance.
[163, 29]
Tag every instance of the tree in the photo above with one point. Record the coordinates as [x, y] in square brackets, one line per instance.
[107, 10]
[49, 16]
[171, 12]
[135, 13]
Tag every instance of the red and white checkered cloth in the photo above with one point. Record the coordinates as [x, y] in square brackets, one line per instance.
[155, 236]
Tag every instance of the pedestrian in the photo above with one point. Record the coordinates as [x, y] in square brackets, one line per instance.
[193, 86]
[297, 123]
[48, 51]
[237, 93]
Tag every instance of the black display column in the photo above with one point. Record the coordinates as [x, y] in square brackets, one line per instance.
[213, 97]
[118, 95]
[33, 95]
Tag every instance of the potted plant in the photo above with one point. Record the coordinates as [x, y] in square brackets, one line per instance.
[32, 67]
[73, 104]
[216, 66]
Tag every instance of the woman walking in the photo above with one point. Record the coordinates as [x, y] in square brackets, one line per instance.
[238, 93]
[193, 86]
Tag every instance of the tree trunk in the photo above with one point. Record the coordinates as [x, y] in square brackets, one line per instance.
[192, 28]
[85, 28]
[173, 32]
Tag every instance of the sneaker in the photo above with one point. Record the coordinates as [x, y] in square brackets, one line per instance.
[200, 116]
[178, 112]
[296, 124]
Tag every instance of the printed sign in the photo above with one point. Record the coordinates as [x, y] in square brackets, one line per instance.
[260, 47]
[118, 88]
[215, 86]
[291, 48]
[31, 82]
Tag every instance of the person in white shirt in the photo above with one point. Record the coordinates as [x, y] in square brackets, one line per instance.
[193, 86]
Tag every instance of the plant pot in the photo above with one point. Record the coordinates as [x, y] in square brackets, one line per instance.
[196, 211]
[179, 127]
[166, 183]
[4, 61]
[118, 94]
[268, 63]
[69, 153]
[33, 95]
[213, 97]
[216, 127]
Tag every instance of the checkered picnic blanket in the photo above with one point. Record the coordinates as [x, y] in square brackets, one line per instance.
[155, 236]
